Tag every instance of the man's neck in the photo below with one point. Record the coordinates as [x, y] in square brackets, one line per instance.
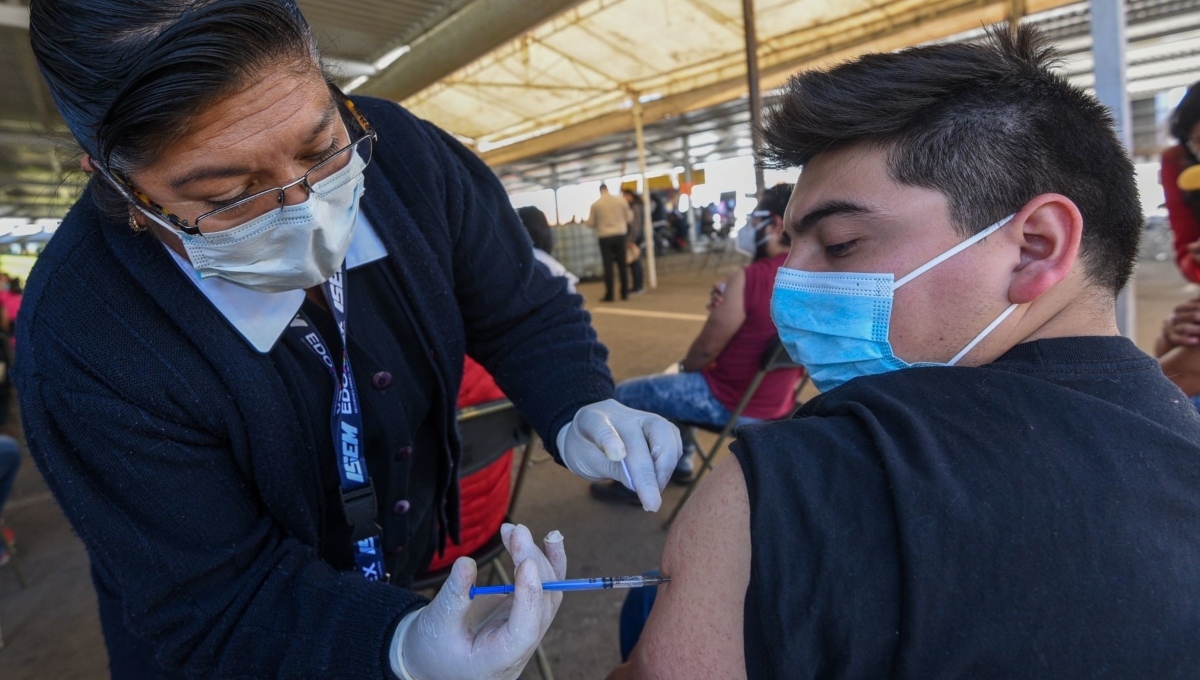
[1085, 313]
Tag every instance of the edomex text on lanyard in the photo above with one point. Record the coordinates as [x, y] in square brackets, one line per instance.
[358, 494]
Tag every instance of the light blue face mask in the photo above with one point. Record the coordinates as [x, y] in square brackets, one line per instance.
[836, 324]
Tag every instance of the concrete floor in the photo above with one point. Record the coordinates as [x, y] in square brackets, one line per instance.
[51, 628]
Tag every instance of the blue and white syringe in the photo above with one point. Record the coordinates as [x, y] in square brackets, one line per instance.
[580, 584]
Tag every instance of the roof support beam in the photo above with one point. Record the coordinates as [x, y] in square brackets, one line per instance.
[748, 22]
[472, 32]
[14, 16]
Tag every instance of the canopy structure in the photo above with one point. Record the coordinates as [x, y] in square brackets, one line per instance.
[575, 77]
[1163, 53]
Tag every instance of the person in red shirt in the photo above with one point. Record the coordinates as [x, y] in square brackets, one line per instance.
[1183, 206]
[1178, 348]
[726, 354]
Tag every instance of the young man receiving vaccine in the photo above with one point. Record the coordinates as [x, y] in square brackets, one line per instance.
[993, 483]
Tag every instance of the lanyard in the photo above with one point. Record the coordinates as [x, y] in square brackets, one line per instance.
[358, 494]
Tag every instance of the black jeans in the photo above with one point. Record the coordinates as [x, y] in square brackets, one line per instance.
[636, 271]
[612, 251]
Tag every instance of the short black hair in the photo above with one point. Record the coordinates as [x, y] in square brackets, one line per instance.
[775, 199]
[1186, 115]
[127, 75]
[538, 227]
[989, 124]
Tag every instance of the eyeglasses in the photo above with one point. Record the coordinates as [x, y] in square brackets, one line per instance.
[263, 202]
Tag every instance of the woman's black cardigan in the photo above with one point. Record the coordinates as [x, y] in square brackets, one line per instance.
[175, 452]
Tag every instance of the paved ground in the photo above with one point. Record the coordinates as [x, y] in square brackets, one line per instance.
[51, 629]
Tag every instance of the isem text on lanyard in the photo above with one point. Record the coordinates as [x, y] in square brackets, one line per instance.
[358, 494]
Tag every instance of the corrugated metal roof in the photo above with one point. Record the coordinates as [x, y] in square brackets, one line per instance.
[364, 30]
[34, 149]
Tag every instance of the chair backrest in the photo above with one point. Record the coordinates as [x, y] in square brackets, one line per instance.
[776, 357]
[487, 430]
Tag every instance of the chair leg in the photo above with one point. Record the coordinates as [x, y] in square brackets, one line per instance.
[539, 654]
[14, 562]
[705, 466]
[526, 458]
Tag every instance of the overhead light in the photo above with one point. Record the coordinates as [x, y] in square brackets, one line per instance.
[390, 58]
[354, 84]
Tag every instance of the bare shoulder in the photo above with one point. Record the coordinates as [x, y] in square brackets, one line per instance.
[695, 628]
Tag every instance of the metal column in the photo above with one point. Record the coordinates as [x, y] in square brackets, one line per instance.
[693, 224]
[755, 96]
[1108, 55]
[647, 223]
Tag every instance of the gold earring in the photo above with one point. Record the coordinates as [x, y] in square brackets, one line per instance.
[133, 223]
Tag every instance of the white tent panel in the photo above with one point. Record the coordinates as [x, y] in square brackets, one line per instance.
[587, 64]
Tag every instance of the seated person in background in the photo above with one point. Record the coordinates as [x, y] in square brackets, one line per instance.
[543, 243]
[723, 359]
[994, 483]
[1183, 203]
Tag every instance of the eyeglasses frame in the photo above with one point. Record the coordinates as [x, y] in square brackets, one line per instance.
[161, 214]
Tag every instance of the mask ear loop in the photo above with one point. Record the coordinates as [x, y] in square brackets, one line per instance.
[952, 252]
[983, 334]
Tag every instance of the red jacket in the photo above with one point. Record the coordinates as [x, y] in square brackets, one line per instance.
[484, 495]
[1184, 228]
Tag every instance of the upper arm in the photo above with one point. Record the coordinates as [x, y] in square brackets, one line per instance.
[519, 321]
[695, 627]
[725, 320]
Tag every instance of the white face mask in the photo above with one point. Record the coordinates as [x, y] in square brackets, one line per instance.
[298, 246]
[753, 234]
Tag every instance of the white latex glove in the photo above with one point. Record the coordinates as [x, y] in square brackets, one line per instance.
[604, 434]
[490, 637]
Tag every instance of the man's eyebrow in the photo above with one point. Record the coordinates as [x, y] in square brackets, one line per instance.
[829, 209]
[234, 171]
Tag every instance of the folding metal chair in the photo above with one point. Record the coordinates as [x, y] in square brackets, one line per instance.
[487, 431]
[13, 561]
[775, 358]
[16, 567]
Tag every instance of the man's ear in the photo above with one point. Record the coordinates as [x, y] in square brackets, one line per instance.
[1050, 231]
[85, 163]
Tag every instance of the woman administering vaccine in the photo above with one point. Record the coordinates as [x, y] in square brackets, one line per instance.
[240, 352]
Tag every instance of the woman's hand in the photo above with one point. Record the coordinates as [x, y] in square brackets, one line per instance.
[1193, 249]
[1181, 328]
[716, 296]
[606, 440]
[490, 638]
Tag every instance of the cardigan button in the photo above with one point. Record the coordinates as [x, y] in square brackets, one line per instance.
[403, 454]
[401, 508]
[381, 380]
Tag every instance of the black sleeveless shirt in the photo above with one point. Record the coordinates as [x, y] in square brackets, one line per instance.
[1038, 517]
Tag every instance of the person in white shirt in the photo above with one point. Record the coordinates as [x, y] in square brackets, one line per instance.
[610, 216]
